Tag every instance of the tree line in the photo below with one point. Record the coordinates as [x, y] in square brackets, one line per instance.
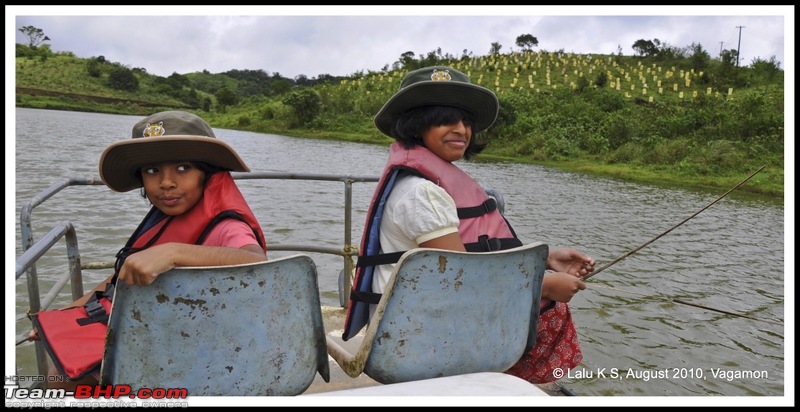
[708, 118]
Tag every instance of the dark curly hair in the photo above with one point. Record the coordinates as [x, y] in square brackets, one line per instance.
[410, 126]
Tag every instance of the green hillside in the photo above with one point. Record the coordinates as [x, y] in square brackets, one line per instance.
[670, 119]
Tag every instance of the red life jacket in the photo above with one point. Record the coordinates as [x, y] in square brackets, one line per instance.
[75, 337]
[481, 225]
[221, 200]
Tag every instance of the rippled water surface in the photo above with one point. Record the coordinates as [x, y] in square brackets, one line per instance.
[638, 318]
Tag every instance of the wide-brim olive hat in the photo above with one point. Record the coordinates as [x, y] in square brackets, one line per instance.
[439, 86]
[171, 136]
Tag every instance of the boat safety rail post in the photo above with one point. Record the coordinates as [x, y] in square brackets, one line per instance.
[29, 258]
[29, 263]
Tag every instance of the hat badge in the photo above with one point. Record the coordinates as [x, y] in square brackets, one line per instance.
[441, 75]
[154, 129]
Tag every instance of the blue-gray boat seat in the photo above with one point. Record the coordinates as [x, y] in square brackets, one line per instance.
[448, 313]
[251, 329]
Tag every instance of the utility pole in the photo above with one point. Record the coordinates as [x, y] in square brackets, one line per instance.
[739, 47]
[720, 49]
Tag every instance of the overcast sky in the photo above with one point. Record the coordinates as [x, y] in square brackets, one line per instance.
[343, 40]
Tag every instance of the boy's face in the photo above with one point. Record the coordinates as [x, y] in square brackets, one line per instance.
[174, 188]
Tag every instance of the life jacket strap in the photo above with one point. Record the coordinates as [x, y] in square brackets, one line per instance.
[488, 206]
[364, 296]
[379, 259]
[487, 244]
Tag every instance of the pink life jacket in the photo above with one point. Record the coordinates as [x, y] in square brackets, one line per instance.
[481, 225]
[75, 337]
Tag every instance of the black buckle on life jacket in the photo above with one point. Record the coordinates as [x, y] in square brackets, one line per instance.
[95, 311]
[489, 244]
[490, 204]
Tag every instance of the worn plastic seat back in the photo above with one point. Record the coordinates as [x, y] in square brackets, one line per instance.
[449, 313]
[253, 329]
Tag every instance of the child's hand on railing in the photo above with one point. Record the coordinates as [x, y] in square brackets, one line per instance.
[32, 336]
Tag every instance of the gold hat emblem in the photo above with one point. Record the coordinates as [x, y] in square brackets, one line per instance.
[154, 129]
[441, 75]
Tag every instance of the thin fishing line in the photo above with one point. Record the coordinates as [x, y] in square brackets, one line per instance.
[683, 302]
[606, 266]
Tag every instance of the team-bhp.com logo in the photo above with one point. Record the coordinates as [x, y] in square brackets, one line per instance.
[17, 397]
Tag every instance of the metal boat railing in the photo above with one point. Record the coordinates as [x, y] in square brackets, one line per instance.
[33, 249]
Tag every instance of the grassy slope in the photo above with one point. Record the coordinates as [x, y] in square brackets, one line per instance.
[62, 83]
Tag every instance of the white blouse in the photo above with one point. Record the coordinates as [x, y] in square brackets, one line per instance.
[416, 211]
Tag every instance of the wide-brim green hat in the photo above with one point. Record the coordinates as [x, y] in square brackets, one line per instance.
[171, 136]
[439, 86]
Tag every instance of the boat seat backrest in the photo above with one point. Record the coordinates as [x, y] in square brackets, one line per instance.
[449, 313]
[252, 329]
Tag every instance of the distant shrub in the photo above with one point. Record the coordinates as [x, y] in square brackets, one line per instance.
[305, 103]
[121, 78]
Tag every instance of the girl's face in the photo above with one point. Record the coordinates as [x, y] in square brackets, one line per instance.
[449, 142]
[174, 188]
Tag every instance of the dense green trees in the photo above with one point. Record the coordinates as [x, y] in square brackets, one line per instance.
[226, 97]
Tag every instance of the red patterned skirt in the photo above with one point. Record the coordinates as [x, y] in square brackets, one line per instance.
[556, 347]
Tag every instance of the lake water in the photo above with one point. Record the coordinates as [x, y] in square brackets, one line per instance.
[729, 257]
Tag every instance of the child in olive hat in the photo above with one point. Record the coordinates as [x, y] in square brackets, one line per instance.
[424, 200]
[199, 218]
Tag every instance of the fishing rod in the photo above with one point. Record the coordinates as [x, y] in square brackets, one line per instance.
[607, 265]
[682, 302]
